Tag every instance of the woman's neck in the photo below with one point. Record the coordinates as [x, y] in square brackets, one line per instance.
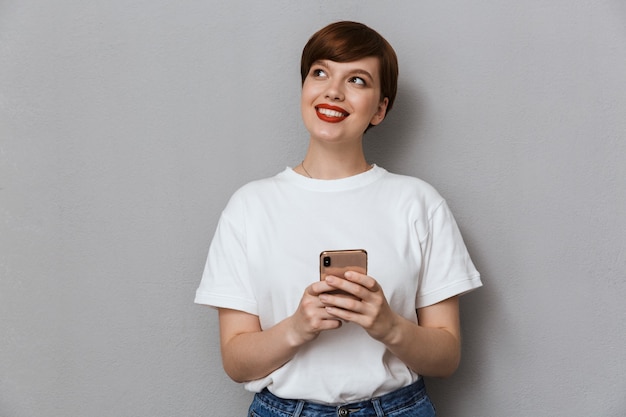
[329, 164]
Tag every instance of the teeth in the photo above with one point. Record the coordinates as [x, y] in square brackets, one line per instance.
[330, 113]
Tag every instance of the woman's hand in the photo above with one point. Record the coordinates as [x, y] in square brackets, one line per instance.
[366, 305]
[311, 317]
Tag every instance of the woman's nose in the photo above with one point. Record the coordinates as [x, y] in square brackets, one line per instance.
[334, 92]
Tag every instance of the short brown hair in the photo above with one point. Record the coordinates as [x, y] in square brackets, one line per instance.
[349, 41]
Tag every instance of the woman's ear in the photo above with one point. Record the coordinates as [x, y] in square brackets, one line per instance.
[379, 116]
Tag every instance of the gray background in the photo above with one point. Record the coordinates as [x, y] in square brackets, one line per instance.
[126, 125]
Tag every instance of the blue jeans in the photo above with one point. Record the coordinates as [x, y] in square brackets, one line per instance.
[410, 401]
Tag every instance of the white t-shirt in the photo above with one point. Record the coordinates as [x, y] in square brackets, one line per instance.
[266, 250]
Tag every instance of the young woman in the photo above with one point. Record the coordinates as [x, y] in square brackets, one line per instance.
[303, 347]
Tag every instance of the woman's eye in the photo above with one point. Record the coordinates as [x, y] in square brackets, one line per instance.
[357, 80]
[318, 72]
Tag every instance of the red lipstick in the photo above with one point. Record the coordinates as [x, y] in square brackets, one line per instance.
[331, 114]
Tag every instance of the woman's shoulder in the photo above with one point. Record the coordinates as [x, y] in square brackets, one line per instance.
[262, 188]
[411, 187]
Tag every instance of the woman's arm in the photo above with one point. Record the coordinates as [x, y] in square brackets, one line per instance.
[432, 348]
[249, 353]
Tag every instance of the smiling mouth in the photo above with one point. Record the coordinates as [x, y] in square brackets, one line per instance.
[331, 114]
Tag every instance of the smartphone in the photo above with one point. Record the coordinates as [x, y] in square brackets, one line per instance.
[338, 262]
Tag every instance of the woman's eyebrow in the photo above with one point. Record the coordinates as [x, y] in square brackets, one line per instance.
[321, 63]
[362, 72]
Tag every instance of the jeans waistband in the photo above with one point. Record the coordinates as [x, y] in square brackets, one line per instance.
[378, 406]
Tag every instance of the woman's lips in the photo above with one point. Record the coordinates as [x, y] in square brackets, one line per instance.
[331, 114]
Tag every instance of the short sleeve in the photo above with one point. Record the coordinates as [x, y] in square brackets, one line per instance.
[447, 269]
[225, 281]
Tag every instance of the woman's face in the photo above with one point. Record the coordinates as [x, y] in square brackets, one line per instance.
[341, 99]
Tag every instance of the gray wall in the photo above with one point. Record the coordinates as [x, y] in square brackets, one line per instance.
[126, 125]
